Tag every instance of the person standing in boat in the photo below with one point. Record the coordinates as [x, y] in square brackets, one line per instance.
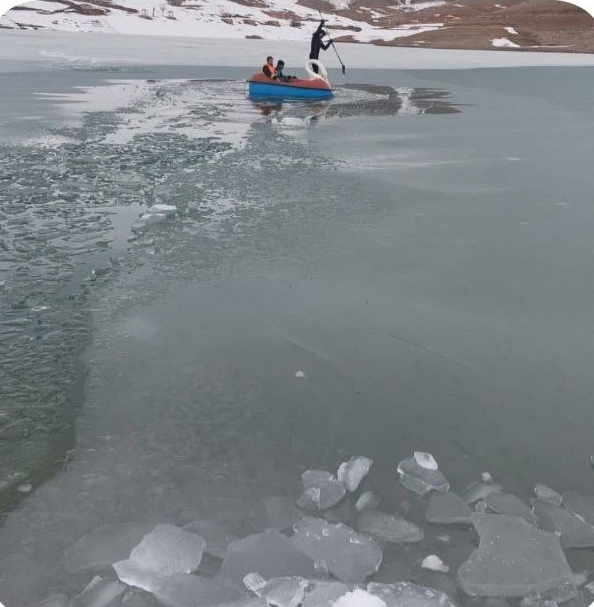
[318, 44]
[268, 68]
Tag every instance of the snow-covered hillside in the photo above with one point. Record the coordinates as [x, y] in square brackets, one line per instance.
[268, 19]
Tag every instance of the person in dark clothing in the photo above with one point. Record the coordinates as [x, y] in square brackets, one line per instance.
[280, 66]
[268, 68]
[318, 44]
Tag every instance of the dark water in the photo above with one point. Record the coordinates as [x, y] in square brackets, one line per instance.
[430, 272]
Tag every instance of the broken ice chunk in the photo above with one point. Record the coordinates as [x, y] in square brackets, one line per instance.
[349, 556]
[573, 531]
[56, 600]
[178, 589]
[216, 537]
[104, 546]
[406, 594]
[425, 460]
[389, 528]
[504, 503]
[270, 553]
[359, 598]
[312, 478]
[434, 563]
[513, 559]
[321, 494]
[168, 549]
[166, 209]
[284, 591]
[254, 582]
[367, 501]
[581, 504]
[148, 219]
[419, 479]
[475, 492]
[546, 494]
[486, 476]
[324, 594]
[351, 473]
[447, 509]
[275, 513]
[98, 593]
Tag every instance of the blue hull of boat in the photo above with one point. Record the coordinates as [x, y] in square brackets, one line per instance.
[278, 91]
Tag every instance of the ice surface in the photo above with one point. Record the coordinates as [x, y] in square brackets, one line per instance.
[104, 546]
[389, 528]
[168, 549]
[581, 504]
[56, 600]
[271, 554]
[573, 531]
[419, 479]
[275, 513]
[351, 473]
[347, 555]
[425, 460]
[367, 501]
[322, 494]
[504, 503]
[216, 537]
[479, 491]
[405, 594]
[147, 220]
[513, 559]
[324, 594]
[359, 598]
[447, 509]
[546, 494]
[98, 593]
[178, 589]
[284, 591]
[434, 563]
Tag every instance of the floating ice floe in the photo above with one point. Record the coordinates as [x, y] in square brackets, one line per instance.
[573, 531]
[504, 503]
[147, 220]
[275, 513]
[351, 473]
[546, 494]
[98, 593]
[167, 549]
[104, 546]
[300, 375]
[278, 592]
[165, 209]
[425, 460]
[216, 537]
[476, 492]
[486, 477]
[419, 478]
[367, 501]
[406, 594]
[448, 509]
[324, 593]
[514, 559]
[349, 556]
[359, 598]
[581, 504]
[178, 589]
[271, 554]
[321, 490]
[434, 563]
[389, 528]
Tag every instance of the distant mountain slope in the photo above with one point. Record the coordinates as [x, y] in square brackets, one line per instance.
[515, 24]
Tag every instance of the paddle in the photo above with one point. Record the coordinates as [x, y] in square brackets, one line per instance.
[334, 47]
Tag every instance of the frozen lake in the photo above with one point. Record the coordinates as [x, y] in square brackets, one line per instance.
[409, 267]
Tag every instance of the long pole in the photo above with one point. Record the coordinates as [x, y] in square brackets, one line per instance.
[334, 47]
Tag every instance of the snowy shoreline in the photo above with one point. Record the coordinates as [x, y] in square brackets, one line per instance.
[97, 50]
